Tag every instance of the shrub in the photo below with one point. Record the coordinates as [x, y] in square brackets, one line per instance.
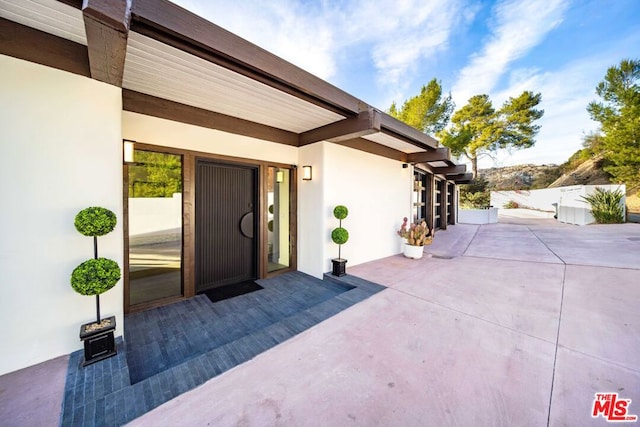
[606, 206]
[95, 221]
[475, 200]
[511, 205]
[339, 236]
[95, 276]
[340, 212]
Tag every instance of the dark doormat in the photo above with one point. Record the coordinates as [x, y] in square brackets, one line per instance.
[230, 291]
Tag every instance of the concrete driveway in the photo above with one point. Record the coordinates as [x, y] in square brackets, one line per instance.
[514, 324]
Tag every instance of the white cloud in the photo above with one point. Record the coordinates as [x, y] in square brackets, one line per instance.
[566, 92]
[516, 27]
[397, 35]
[296, 32]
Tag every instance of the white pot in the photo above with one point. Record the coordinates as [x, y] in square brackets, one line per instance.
[414, 252]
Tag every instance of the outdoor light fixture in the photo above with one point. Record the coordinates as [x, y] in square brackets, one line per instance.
[280, 176]
[306, 173]
[128, 147]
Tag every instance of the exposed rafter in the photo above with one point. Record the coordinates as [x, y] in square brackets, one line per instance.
[107, 27]
[451, 170]
[392, 126]
[374, 148]
[439, 154]
[463, 178]
[365, 123]
[18, 41]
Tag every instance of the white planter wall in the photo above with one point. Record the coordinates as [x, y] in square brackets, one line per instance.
[478, 216]
[571, 209]
[61, 145]
[542, 199]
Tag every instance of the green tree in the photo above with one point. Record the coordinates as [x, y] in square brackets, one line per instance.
[619, 115]
[479, 129]
[428, 111]
[155, 175]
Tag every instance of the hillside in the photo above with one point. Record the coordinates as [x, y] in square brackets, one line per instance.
[520, 176]
[534, 176]
[588, 173]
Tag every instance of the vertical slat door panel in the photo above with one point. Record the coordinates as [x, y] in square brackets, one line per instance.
[224, 195]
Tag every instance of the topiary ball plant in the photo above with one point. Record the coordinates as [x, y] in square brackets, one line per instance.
[340, 212]
[340, 235]
[95, 221]
[95, 276]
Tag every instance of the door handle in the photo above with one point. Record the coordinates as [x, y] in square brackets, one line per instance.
[246, 225]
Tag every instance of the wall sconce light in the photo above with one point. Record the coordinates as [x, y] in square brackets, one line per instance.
[306, 173]
[280, 176]
[128, 148]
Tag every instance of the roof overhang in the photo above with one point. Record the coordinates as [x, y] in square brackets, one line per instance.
[176, 65]
[464, 178]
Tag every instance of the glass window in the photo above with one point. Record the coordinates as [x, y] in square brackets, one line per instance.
[155, 226]
[420, 200]
[278, 231]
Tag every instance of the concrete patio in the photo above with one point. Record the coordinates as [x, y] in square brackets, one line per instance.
[515, 323]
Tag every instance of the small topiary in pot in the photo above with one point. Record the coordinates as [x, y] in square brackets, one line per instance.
[339, 236]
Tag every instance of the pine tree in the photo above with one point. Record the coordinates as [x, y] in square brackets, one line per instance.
[619, 115]
[479, 129]
[428, 111]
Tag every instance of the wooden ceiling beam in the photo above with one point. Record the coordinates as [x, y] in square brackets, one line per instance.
[107, 26]
[392, 126]
[374, 148]
[463, 178]
[29, 44]
[451, 170]
[137, 102]
[365, 123]
[439, 154]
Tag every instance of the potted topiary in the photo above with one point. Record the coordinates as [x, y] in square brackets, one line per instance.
[94, 277]
[339, 236]
[416, 235]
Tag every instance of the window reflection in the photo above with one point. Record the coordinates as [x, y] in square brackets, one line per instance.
[155, 226]
[278, 232]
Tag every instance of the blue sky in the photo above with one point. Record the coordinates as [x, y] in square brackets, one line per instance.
[384, 51]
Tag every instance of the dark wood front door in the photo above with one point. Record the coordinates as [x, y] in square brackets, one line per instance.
[226, 231]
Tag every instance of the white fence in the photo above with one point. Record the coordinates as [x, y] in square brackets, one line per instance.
[566, 202]
[478, 216]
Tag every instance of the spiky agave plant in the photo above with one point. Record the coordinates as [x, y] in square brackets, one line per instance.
[606, 206]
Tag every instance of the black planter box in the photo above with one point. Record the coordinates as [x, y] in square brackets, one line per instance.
[339, 267]
[99, 344]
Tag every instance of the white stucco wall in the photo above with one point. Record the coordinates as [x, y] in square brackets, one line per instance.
[167, 133]
[60, 138]
[377, 192]
[312, 218]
